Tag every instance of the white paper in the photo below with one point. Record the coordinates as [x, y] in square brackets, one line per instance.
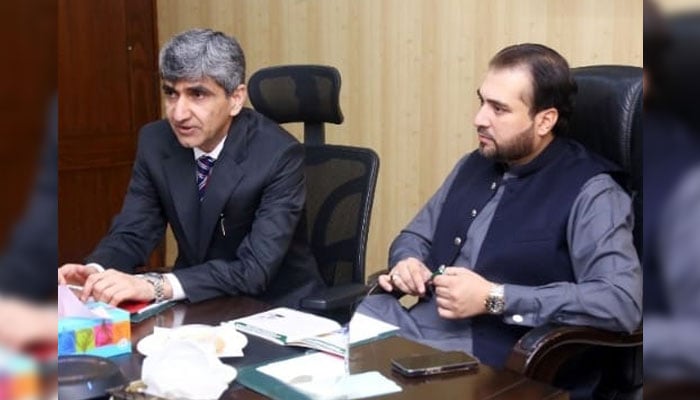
[363, 328]
[322, 376]
[318, 365]
[357, 386]
[285, 324]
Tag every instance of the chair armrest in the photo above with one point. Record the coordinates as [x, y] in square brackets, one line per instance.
[373, 283]
[335, 297]
[543, 350]
[374, 278]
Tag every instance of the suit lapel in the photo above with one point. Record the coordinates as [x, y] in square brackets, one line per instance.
[224, 179]
[180, 172]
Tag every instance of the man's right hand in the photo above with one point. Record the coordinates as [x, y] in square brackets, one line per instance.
[75, 274]
[408, 276]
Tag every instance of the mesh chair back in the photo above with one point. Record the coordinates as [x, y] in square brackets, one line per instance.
[340, 180]
[298, 93]
[340, 184]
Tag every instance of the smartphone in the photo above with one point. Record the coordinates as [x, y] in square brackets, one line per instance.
[436, 363]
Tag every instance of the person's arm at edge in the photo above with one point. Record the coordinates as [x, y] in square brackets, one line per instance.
[671, 345]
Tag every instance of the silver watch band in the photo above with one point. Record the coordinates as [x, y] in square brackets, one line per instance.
[158, 282]
[495, 301]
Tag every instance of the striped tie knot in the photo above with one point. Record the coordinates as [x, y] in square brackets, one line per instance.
[204, 166]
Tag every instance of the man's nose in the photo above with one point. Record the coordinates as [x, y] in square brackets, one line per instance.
[181, 110]
[480, 119]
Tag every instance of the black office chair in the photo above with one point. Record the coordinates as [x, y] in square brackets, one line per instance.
[340, 180]
[607, 120]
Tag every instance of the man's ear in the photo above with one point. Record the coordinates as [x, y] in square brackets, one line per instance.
[237, 99]
[545, 121]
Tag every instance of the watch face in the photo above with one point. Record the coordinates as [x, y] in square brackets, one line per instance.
[495, 304]
[495, 301]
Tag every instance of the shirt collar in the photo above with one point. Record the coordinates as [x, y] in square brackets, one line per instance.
[213, 154]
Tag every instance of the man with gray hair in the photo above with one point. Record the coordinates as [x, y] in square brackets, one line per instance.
[229, 181]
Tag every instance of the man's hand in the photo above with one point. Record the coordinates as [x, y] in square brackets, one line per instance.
[461, 293]
[408, 276]
[75, 274]
[24, 324]
[114, 287]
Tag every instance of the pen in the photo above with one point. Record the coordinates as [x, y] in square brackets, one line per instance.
[439, 271]
[223, 229]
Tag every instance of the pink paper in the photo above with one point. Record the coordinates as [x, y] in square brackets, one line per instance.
[69, 305]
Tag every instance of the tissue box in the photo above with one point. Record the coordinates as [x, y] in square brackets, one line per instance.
[106, 335]
[19, 378]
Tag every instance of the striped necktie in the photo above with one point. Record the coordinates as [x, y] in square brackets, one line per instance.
[204, 166]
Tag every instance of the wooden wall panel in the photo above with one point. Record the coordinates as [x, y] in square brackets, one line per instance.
[410, 69]
[29, 80]
[108, 88]
[88, 199]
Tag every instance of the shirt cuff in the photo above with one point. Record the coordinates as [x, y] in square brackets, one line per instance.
[178, 291]
[97, 266]
[522, 307]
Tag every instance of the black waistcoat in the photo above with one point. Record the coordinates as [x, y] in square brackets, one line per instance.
[526, 242]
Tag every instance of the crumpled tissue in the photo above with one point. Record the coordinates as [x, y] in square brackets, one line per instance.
[186, 370]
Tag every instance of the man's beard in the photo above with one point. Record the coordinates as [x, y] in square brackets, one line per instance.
[522, 145]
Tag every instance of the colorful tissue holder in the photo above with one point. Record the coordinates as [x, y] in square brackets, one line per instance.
[104, 337]
[19, 377]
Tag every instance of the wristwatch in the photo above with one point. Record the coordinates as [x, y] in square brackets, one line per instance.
[495, 301]
[157, 280]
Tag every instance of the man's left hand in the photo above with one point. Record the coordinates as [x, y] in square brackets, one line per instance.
[114, 287]
[461, 293]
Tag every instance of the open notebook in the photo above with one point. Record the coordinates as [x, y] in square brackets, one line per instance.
[290, 327]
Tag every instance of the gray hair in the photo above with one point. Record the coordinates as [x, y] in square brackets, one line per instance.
[200, 53]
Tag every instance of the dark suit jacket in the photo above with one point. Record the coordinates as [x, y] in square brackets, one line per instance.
[248, 236]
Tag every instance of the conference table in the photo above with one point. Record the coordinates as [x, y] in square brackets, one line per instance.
[485, 383]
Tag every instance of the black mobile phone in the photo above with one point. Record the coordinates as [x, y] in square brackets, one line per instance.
[436, 363]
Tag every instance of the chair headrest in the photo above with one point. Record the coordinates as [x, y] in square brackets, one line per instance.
[607, 112]
[297, 93]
